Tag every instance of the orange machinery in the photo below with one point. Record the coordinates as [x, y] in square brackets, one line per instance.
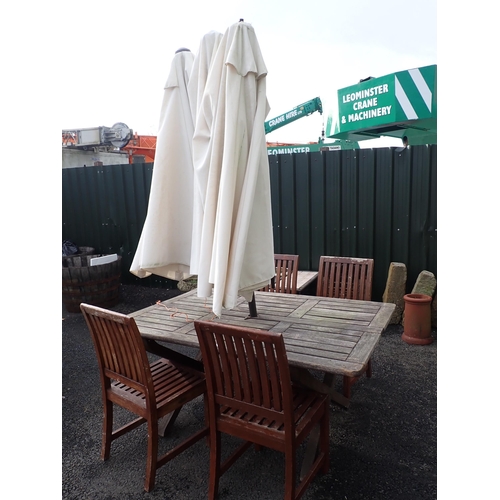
[141, 145]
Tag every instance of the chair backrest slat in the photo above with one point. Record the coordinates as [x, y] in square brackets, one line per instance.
[274, 377]
[253, 373]
[226, 371]
[355, 287]
[215, 368]
[246, 394]
[345, 277]
[263, 379]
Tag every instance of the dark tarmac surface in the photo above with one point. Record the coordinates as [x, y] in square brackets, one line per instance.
[383, 447]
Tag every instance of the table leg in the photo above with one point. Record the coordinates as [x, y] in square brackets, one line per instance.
[167, 422]
[304, 377]
[160, 350]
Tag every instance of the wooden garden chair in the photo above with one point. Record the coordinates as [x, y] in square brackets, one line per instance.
[285, 281]
[150, 391]
[250, 396]
[346, 278]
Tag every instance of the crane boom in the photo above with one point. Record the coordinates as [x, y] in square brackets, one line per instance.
[304, 109]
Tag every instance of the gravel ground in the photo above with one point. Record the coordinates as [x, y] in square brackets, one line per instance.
[383, 447]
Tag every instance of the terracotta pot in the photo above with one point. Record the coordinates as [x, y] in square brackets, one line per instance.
[417, 319]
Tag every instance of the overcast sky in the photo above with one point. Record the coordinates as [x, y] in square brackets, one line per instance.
[117, 55]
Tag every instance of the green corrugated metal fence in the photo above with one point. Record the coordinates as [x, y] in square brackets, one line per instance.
[378, 203]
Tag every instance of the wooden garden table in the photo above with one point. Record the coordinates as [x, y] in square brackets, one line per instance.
[332, 336]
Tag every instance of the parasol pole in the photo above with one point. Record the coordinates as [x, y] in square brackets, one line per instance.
[252, 307]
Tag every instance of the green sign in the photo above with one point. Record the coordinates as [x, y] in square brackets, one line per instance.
[366, 104]
[387, 105]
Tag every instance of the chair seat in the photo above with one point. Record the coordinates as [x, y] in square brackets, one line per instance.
[172, 383]
[257, 427]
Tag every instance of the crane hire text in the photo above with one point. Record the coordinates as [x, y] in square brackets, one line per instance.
[282, 118]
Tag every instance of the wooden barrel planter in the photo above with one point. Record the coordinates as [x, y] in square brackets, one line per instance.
[81, 251]
[84, 251]
[97, 285]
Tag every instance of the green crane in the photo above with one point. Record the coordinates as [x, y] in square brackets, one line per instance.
[299, 111]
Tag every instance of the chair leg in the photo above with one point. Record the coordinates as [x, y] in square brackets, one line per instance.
[290, 467]
[215, 457]
[207, 420]
[325, 439]
[152, 458]
[107, 430]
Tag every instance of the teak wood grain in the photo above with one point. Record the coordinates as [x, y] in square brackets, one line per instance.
[335, 336]
[250, 395]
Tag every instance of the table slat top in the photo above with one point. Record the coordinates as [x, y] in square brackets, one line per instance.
[330, 335]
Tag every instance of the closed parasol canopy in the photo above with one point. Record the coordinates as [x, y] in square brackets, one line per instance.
[236, 252]
[164, 247]
[209, 210]
[197, 82]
